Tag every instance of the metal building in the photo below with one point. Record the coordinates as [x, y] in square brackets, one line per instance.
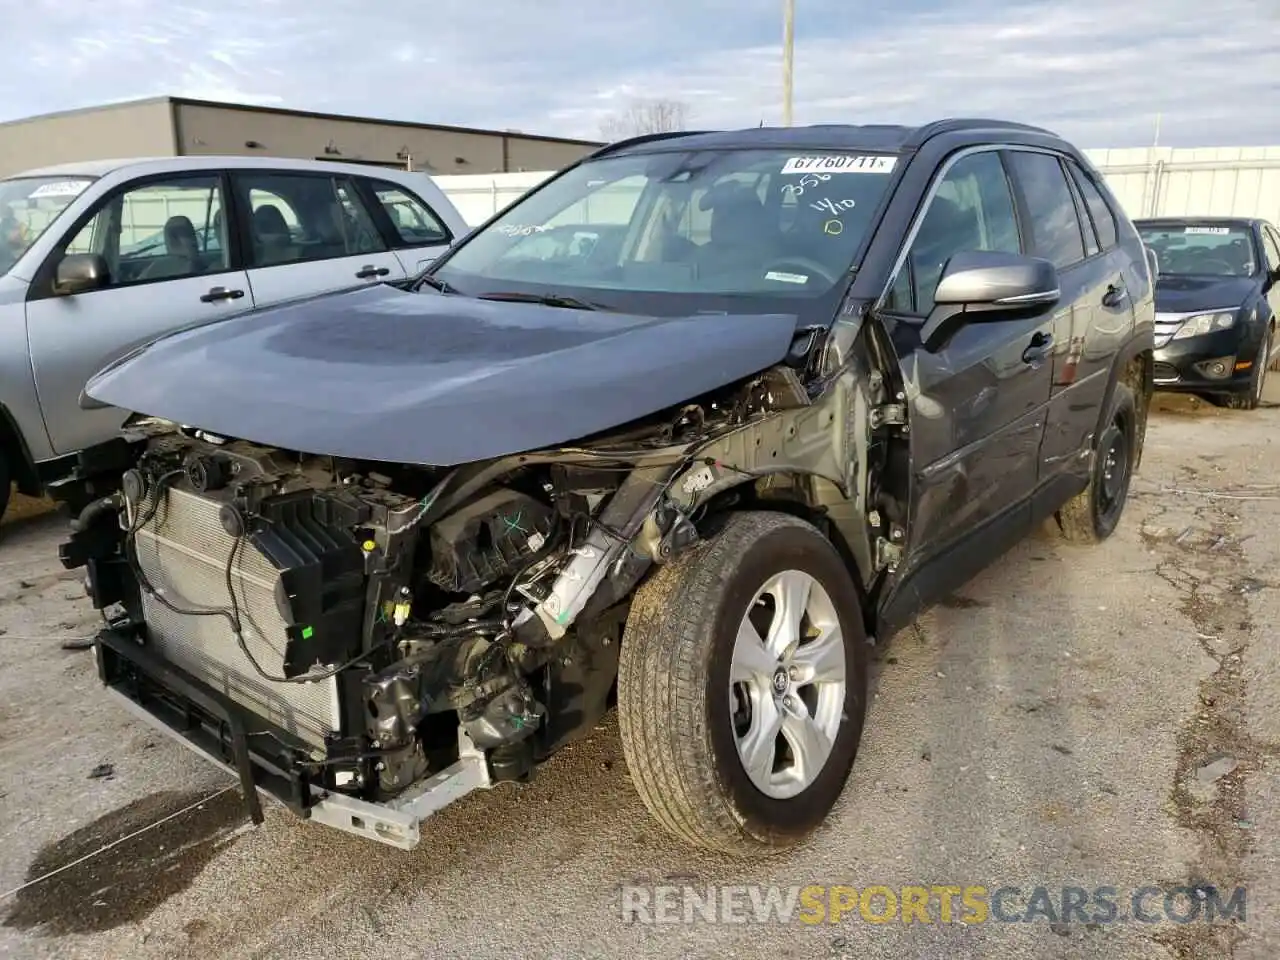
[175, 126]
[1191, 181]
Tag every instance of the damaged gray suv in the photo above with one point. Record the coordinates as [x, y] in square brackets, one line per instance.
[680, 431]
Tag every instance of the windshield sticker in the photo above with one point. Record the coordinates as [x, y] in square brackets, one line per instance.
[59, 188]
[1215, 231]
[522, 229]
[840, 164]
[787, 277]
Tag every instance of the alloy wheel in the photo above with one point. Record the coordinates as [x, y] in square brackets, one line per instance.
[787, 682]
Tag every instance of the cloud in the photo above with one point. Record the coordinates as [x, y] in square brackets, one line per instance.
[1097, 71]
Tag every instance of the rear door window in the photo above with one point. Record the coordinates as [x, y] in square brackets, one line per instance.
[1104, 221]
[1056, 233]
[300, 218]
[414, 222]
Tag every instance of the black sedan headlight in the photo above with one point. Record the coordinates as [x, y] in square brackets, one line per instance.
[1202, 323]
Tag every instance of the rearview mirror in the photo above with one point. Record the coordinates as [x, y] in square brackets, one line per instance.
[80, 272]
[984, 286]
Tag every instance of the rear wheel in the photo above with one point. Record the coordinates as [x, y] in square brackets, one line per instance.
[742, 685]
[1092, 515]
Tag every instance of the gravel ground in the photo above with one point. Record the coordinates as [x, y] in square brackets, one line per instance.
[1049, 725]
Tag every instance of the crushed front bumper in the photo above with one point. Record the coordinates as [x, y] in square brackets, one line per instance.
[267, 760]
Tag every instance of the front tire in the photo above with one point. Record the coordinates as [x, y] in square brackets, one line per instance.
[1257, 379]
[742, 685]
[1091, 516]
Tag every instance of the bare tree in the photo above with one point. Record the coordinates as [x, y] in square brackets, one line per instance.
[646, 116]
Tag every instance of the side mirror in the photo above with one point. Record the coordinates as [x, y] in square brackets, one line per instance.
[984, 286]
[80, 272]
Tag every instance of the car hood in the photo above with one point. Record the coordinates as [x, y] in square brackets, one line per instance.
[432, 379]
[1183, 294]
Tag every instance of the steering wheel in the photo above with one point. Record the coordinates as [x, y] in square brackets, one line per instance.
[1207, 265]
[805, 263]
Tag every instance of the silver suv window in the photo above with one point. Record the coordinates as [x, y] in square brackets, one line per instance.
[296, 218]
[159, 230]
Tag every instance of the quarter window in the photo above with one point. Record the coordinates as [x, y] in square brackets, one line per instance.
[412, 219]
[1055, 228]
[1104, 221]
[972, 209]
[296, 219]
[161, 231]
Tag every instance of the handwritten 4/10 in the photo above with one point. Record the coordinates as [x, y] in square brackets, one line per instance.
[834, 207]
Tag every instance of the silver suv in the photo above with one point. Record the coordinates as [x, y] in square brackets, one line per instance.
[98, 258]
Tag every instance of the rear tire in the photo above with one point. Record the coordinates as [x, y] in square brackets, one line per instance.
[1092, 515]
[708, 719]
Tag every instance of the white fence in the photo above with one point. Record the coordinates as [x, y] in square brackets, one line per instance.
[1151, 181]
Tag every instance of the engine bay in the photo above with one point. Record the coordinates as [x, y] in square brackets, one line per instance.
[409, 595]
[365, 640]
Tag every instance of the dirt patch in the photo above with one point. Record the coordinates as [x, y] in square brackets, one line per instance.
[1204, 562]
[126, 883]
[957, 602]
[24, 508]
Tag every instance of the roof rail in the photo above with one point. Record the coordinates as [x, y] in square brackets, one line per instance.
[952, 124]
[645, 138]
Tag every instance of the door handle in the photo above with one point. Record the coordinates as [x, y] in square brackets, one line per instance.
[1115, 295]
[369, 271]
[1038, 348]
[221, 293]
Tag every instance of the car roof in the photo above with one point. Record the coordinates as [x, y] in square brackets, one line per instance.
[824, 136]
[145, 165]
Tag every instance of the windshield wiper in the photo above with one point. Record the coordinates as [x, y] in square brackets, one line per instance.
[435, 284]
[549, 299]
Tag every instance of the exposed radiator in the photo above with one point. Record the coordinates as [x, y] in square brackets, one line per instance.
[183, 552]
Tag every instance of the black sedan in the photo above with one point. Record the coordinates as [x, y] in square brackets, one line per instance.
[1217, 299]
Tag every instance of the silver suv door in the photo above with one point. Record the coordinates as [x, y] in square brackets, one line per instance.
[308, 233]
[168, 259]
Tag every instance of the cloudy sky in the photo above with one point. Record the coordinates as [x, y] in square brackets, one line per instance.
[1097, 71]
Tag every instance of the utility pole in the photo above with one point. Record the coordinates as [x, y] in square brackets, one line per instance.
[788, 56]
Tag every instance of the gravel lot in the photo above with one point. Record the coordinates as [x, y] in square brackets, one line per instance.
[1050, 725]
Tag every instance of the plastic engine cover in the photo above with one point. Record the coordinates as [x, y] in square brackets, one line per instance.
[487, 539]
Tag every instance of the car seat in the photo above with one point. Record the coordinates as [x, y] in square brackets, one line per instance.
[272, 242]
[742, 233]
[182, 252]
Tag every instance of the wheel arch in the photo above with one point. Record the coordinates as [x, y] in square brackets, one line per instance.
[14, 449]
[1134, 365]
[815, 500]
